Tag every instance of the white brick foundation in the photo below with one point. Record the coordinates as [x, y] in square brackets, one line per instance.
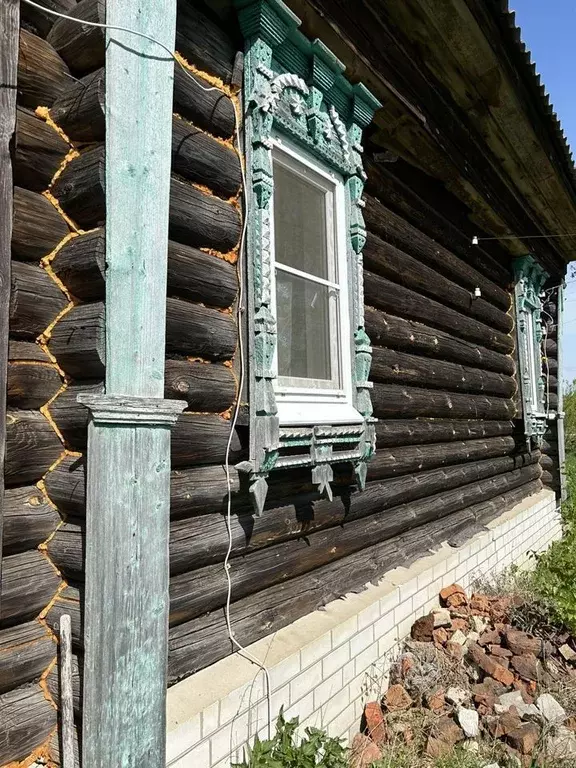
[324, 666]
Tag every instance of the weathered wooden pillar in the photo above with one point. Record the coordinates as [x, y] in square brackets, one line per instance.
[9, 36]
[126, 599]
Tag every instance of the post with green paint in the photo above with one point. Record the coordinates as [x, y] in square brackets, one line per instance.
[128, 474]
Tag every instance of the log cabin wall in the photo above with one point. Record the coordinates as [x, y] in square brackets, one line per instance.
[450, 454]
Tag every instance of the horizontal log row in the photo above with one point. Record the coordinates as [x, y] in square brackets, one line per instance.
[192, 274]
[203, 490]
[201, 541]
[32, 446]
[389, 331]
[391, 366]
[39, 152]
[396, 401]
[29, 582]
[42, 75]
[204, 640]
[78, 339]
[384, 294]
[25, 653]
[387, 261]
[42, 21]
[195, 218]
[28, 719]
[396, 231]
[29, 519]
[81, 47]
[37, 226]
[31, 384]
[80, 111]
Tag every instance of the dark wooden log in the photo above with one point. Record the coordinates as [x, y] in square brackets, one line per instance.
[203, 641]
[395, 230]
[390, 366]
[77, 340]
[80, 189]
[210, 110]
[82, 48]
[192, 594]
[40, 21]
[192, 329]
[205, 160]
[391, 401]
[202, 220]
[42, 75]
[29, 582]
[35, 301]
[80, 110]
[200, 541]
[31, 384]
[29, 519]
[386, 330]
[9, 36]
[25, 351]
[39, 152]
[551, 349]
[32, 447]
[407, 201]
[207, 388]
[70, 416]
[551, 479]
[28, 719]
[38, 227]
[25, 653]
[548, 463]
[204, 42]
[392, 432]
[53, 683]
[552, 401]
[388, 261]
[66, 486]
[200, 439]
[390, 297]
[196, 218]
[192, 274]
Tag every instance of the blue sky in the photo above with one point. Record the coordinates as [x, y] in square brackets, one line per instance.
[549, 30]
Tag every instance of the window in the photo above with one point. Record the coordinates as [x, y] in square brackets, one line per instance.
[309, 393]
[530, 279]
[310, 303]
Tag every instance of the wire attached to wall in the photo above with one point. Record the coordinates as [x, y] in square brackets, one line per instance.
[242, 363]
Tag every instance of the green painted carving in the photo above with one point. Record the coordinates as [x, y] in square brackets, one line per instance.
[297, 87]
[530, 278]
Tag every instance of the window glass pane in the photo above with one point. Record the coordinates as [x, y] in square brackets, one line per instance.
[300, 223]
[306, 312]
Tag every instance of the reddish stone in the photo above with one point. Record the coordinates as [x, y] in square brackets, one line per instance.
[485, 700]
[435, 748]
[497, 650]
[436, 700]
[453, 589]
[457, 600]
[489, 686]
[527, 667]
[423, 628]
[500, 608]
[490, 637]
[490, 666]
[525, 738]
[501, 726]
[440, 636]
[525, 688]
[406, 664]
[446, 730]
[375, 725]
[570, 723]
[480, 604]
[364, 752]
[499, 660]
[521, 643]
[397, 699]
[461, 624]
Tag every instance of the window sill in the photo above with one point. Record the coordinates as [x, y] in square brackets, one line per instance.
[312, 414]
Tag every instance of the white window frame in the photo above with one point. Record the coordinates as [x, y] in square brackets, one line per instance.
[301, 405]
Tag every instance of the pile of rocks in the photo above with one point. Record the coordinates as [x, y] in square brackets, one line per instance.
[473, 677]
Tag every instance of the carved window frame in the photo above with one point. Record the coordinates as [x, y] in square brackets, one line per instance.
[296, 88]
[530, 279]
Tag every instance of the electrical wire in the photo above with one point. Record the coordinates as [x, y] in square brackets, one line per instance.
[234, 420]
[476, 239]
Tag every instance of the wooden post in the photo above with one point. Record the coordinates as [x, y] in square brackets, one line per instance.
[126, 599]
[9, 35]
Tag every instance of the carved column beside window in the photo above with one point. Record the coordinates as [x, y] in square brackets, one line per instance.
[295, 88]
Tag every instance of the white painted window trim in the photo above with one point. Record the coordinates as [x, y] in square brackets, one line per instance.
[301, 405]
